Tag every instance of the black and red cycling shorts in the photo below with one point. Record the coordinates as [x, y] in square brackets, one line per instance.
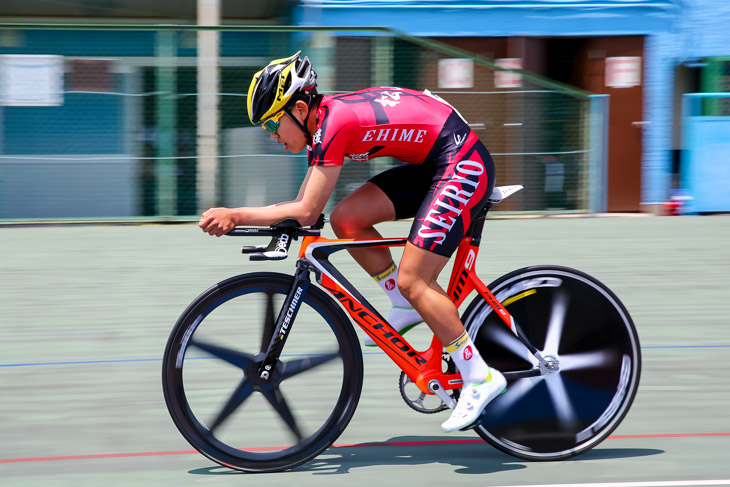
[444, 193]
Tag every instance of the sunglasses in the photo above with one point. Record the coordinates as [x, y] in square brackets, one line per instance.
[272, 124]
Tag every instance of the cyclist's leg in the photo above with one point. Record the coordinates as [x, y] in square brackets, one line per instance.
[391, 195]
[461, 186]
[355, 217]
[419, 270]
[384, 198]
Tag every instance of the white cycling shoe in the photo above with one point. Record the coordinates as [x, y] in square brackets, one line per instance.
[472, 401]
[402, 319]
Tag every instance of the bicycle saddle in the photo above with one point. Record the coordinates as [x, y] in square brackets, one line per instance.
[500, 193]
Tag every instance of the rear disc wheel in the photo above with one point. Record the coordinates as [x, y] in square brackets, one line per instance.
[573, 318]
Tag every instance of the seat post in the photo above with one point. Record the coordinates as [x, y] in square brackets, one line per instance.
[476, 227]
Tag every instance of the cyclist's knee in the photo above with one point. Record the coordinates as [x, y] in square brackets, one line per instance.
[410, 284]
[349, 222]
[343, 224]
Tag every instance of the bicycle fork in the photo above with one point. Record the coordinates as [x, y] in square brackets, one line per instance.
[284, 322]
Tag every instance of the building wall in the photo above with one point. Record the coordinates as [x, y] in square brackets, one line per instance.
[676, 31]
[51, 157]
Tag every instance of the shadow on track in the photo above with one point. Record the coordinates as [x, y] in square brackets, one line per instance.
[467, 458]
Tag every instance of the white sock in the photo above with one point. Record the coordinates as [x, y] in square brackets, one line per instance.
[468, 360]
[388, 281]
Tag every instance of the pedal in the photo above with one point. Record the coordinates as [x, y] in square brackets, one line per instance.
[474, 424]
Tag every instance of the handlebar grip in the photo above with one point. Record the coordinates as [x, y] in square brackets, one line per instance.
[270, 255]
[282, 233]
[248, 249]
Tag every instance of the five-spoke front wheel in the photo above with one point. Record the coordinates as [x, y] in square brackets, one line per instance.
[247, 418]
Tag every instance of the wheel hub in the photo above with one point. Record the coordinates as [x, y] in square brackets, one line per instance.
[549, 365]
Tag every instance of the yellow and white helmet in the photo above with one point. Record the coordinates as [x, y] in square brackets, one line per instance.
[277, 84]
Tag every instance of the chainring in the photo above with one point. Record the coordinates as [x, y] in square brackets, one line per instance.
[419, 400]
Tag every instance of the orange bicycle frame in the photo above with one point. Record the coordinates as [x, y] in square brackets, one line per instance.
[422, 367]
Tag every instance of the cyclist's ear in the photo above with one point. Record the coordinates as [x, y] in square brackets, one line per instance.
[300, 110]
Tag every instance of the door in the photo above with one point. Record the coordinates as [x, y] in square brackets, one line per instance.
[582, 62]
[614, 65]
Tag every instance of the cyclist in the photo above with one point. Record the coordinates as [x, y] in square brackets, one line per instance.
[446, 179]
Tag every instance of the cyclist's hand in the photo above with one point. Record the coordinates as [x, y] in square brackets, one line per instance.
[217, 221]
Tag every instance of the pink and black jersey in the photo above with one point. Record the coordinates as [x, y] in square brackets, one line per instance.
[396, 122]
[449, 173]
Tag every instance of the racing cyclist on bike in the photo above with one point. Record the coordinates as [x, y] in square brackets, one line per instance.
[446, 179]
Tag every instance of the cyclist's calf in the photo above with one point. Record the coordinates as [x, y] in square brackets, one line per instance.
[417, 283]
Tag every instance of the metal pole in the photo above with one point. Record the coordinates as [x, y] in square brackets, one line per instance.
[166, 122]
[208, 88]
[598, 192]
[382, 75]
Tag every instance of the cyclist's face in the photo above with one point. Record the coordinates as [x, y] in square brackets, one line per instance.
[289, 134]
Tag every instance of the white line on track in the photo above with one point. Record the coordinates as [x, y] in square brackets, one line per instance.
[669, 483]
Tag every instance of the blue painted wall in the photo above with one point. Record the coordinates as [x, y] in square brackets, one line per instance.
[676, 30]
[93, 123]
[53, 161]
[84, 124]
[126, 43]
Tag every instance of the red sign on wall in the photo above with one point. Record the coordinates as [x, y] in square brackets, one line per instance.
[623, 71]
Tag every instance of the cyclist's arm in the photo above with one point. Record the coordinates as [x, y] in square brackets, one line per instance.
[306, 208]
[303, 187]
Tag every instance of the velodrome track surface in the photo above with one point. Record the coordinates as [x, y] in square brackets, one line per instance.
[85, 312]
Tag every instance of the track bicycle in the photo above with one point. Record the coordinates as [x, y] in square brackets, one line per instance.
[263, 371]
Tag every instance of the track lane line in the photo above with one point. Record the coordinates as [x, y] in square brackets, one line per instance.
[668, 483]
[384, 443]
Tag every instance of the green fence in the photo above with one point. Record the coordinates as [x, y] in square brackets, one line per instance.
[123, 122]
[716, 79]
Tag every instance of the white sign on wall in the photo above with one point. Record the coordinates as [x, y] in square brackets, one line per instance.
[623, 71]
[456, 73]
[507, 79]
[31, 80]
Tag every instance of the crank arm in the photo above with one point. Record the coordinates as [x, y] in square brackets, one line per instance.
[435, 387]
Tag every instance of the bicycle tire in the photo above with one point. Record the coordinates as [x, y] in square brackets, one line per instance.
[205, 359]
[573, 317]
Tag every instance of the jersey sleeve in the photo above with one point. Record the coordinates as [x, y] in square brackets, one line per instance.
[330, 141]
